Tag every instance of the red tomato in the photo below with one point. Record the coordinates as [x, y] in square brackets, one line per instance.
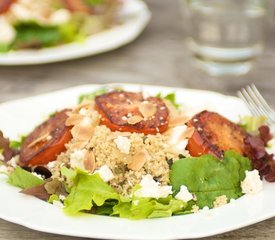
[46, 141]
[5, 5]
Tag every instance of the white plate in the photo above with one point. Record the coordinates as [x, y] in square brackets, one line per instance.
[135, 15]
[22, 115]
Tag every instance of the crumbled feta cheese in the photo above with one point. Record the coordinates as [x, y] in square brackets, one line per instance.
[3, 169]
[62, 197]
[176, 141]
[58, 203]
[252, 183]
[152, 188]
[220, 201]
[13, 161]
[123, 144]
[21, 12]
[184, 194]
[60, 16]
[37, 175]
[105, 173]
[7, 33]
[77, 158]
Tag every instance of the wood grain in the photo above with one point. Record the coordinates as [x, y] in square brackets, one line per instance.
[159, 57]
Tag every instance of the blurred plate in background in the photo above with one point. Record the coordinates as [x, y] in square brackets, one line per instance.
[135, 15]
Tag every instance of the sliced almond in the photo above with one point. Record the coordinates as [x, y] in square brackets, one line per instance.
[139, 159]
[85, 104]
[82, 133]
[78, 145]
[45, 137]
[89, 161]
[73, 119]
[147, 109]
[180, 120]
[187, 133]
[134, 119]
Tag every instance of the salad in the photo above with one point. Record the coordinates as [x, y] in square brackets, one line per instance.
[46, 23]
[132, 155]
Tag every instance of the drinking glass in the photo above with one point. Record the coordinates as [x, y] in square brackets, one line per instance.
[225, 36]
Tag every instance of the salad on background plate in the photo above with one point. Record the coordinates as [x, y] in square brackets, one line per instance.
[35, 32]
[123, 153]
[38, 24]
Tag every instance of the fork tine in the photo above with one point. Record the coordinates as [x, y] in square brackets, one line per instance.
[243, 94]
[257, 103]
[264, 104]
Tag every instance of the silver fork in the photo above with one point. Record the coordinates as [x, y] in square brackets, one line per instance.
[257, 104]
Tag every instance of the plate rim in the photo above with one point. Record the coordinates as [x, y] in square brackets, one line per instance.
[172, 236]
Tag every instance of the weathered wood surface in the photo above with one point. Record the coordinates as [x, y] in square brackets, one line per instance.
[157, 57]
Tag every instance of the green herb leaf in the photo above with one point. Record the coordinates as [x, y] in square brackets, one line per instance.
[208, 177]
[23, 179]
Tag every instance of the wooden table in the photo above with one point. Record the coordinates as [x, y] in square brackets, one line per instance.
[157, 57]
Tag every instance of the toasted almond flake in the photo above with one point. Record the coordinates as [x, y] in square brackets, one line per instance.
[73, 119]
[180, 120]
[89, 161]
[83, 133]
[86, 105]
[147, 109]
[43, 138]
[139, 159]
[187, 133]
[134, 119]
[78, 145]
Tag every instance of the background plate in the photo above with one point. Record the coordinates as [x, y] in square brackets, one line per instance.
[136, 16]
[22, 115]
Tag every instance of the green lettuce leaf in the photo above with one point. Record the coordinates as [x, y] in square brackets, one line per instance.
[208, 177]
[88, 190]
[171, 97]
[140, 208]
[92, 95]
[23, 179]
[252, 123]
[32, 34]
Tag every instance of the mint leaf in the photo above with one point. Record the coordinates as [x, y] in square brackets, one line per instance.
[23, 179]
[208, 177]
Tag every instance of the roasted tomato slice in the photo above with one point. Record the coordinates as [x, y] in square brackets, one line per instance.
[215, 134]
[131, 112]
[5, 5]
[46, 141]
